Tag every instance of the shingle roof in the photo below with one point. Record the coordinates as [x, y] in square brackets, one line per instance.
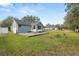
[23, 22]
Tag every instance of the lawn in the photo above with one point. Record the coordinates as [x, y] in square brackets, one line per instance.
[52, 43]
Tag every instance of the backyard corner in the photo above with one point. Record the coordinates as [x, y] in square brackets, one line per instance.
[31, 34]
[53, 43]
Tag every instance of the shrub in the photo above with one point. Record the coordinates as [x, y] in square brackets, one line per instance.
[58, 35]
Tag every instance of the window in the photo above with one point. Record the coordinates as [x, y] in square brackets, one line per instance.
[33, 27]
[39, 27]
[19, 25]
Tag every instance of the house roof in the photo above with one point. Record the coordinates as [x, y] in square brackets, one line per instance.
[26, 22]
[23, 22]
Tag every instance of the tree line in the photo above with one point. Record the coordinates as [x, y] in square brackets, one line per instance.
[7, 22]
[71, 20]
[72, 16]
[52, 25]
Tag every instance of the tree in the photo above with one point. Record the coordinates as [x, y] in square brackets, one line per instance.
[72, 16]
[0, 24]
[31, 18]
[7, 22]
[48, 25]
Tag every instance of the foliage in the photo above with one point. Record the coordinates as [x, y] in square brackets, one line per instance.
[0, 23]
[48, 25]
[60, 26]
[31, 18]
[53, 43]
[72, 17]
[7, 22]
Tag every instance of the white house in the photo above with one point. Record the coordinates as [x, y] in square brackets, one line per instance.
[23, 26]
[52, 28]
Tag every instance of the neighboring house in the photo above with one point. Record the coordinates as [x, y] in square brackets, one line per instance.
[23, 26]
[55, 28]
[52, 28]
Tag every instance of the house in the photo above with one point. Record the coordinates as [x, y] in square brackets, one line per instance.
[23, 26]
[53, 28]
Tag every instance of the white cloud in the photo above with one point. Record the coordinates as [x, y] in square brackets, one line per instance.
[6, 7]
[5, 10]
[24, 11]
[5, 1]
[5, 4]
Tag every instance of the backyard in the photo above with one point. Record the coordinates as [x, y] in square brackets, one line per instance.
[49, 44]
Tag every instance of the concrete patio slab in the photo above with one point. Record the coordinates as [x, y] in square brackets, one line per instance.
[32, 34]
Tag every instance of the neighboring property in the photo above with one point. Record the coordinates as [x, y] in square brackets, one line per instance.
[23, 26]
[3, 30]
[55, 28]
[52, 28]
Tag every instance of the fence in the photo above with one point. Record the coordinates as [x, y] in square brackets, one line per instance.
[3, 30]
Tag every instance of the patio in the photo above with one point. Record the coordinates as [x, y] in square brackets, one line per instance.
[32, 34]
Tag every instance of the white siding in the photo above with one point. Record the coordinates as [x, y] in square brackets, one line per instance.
[32, 29]
[36, 27]
[3, 30]
[14, 27]
[24, 29]
[56, 28]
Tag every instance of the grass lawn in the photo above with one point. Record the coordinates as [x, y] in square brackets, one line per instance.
[53, 43]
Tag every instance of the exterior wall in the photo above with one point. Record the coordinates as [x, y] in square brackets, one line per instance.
[52, 28]
[56, 28]
[14, 27]
[36, 27]
[40, 30]
[33, 30]
[24, 29]
[3, 30]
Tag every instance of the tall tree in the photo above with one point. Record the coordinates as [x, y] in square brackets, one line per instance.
[7, 22]
[0, 23]
[31, 18]
[48, 25]
[72, 16]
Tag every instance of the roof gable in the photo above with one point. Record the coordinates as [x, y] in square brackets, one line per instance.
[26, 22]
[23, 22]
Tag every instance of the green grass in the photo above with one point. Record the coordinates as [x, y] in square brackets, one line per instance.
[53, 43]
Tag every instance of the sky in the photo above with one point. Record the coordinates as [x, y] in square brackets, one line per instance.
[47, 12]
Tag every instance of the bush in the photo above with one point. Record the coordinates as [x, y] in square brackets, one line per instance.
[64, 35]
[58, 35]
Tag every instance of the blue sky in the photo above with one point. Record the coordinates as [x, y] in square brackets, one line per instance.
[48, 13]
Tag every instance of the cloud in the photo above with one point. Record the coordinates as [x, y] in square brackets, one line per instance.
[22, 11]
[5, 10]
[26, 11]
[17, 9]
[5, 4]
[5, 1]
[6, 7]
